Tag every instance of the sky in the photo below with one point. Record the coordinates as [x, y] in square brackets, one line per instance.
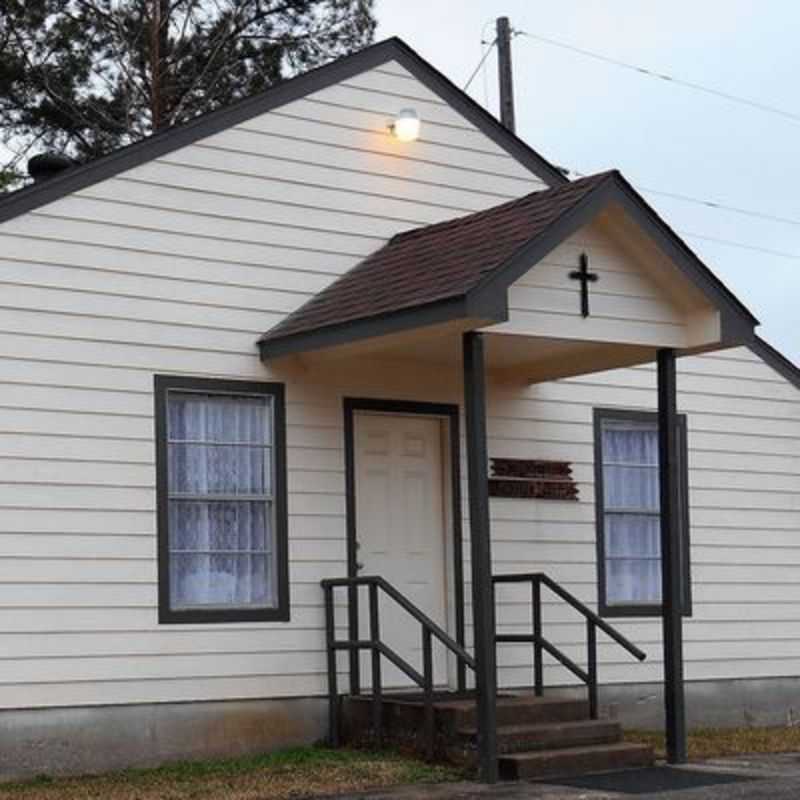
[590, 116]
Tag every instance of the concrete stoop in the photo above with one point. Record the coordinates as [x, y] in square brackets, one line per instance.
[537, 737]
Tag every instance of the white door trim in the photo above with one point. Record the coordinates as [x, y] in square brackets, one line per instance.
[449, 416]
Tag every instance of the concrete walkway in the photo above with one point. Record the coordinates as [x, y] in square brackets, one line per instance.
[754, 778]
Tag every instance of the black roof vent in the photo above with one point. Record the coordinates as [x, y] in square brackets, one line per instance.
[48, 165]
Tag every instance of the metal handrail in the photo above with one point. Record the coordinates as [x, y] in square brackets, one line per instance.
[540, 644]
[406, 605]
[378, 648]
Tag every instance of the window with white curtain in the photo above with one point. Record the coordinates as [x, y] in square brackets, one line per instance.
[628, 511]
[221, 500]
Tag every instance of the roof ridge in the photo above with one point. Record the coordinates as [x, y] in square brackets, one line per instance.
[284, 91]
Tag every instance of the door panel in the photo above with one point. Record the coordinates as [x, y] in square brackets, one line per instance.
[400, 530]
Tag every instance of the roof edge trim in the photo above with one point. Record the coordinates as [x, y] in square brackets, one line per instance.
[159, 144]
[438, 311]
[775, 359]
[534, 250]
[738, 322]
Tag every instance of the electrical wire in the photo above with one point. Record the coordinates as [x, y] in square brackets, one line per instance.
[745, 212]
[742, 245]
[713, 204]
[480, 63]
[720, 207]
[699, 87]
[717, 206]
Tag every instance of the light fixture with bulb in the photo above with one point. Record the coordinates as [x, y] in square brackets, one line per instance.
[406, 125]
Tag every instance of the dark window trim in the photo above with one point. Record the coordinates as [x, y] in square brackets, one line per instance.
[617, 610]
[163, 384]
[450, 413]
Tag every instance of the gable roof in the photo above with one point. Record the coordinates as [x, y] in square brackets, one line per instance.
[435, 262]
[462, 268]
[159, 144]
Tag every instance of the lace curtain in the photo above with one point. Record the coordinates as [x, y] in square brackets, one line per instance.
[631, 513]
[220, 506]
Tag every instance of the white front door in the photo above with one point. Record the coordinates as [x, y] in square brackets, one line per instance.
[400, 530]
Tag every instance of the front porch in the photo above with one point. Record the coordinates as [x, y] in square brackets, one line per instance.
[498, 297]
[533, 734]
[466, 639]
[537, 737]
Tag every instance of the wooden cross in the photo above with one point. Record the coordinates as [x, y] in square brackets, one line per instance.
[585, 277]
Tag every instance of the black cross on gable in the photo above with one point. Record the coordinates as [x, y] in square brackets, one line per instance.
[585, 277]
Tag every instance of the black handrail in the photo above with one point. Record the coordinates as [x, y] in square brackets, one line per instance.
[424, 680]
[540, 644]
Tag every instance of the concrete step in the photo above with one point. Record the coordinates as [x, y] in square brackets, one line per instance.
[408, 713]
[549, 736]
[514, 710]
[567, 762]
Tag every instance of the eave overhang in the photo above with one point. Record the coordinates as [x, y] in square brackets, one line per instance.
[488, 299]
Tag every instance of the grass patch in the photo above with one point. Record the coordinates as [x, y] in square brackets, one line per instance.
[721, 742]
[302, 772]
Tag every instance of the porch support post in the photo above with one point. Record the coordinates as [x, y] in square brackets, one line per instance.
[481, 554]
[671, 561]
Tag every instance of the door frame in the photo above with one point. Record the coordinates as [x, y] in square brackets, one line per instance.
[449, 412]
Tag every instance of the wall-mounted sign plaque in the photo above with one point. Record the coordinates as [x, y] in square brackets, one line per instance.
[532, 479]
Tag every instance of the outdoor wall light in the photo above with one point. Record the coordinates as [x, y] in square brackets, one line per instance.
[406, 125]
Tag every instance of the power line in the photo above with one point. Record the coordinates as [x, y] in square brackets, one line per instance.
[480, 63]
[699, 87]
[675, 195]
[719, 206]
[746, 212]
[689, 84]
[742, 245]
[713, 204]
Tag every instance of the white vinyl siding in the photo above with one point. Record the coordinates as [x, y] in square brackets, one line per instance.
[177, 266]
[626, 304]
[743, 424]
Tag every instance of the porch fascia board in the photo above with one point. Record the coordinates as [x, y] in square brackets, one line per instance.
[489, 311]
[488, 300]
[497, 283]
[738, 323]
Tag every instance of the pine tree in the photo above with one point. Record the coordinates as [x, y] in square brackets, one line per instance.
[86, 76]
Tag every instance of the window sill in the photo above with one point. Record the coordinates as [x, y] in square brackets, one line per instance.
[221, 615]
[653, 612]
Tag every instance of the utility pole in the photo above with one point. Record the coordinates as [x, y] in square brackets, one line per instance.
[504, 73]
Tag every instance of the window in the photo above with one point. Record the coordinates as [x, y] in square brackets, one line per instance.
[628, 512]
[221, 485]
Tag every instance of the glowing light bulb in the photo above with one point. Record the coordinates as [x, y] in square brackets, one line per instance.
[406, 125]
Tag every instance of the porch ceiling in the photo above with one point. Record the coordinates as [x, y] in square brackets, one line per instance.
[510, 358]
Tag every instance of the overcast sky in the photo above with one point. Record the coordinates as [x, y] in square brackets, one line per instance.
[591, 116]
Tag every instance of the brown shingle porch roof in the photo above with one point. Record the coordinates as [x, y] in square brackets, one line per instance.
[461, 269]
[436, 262]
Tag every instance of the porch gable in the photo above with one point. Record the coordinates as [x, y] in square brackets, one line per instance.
[493, 270]
[636, 295]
